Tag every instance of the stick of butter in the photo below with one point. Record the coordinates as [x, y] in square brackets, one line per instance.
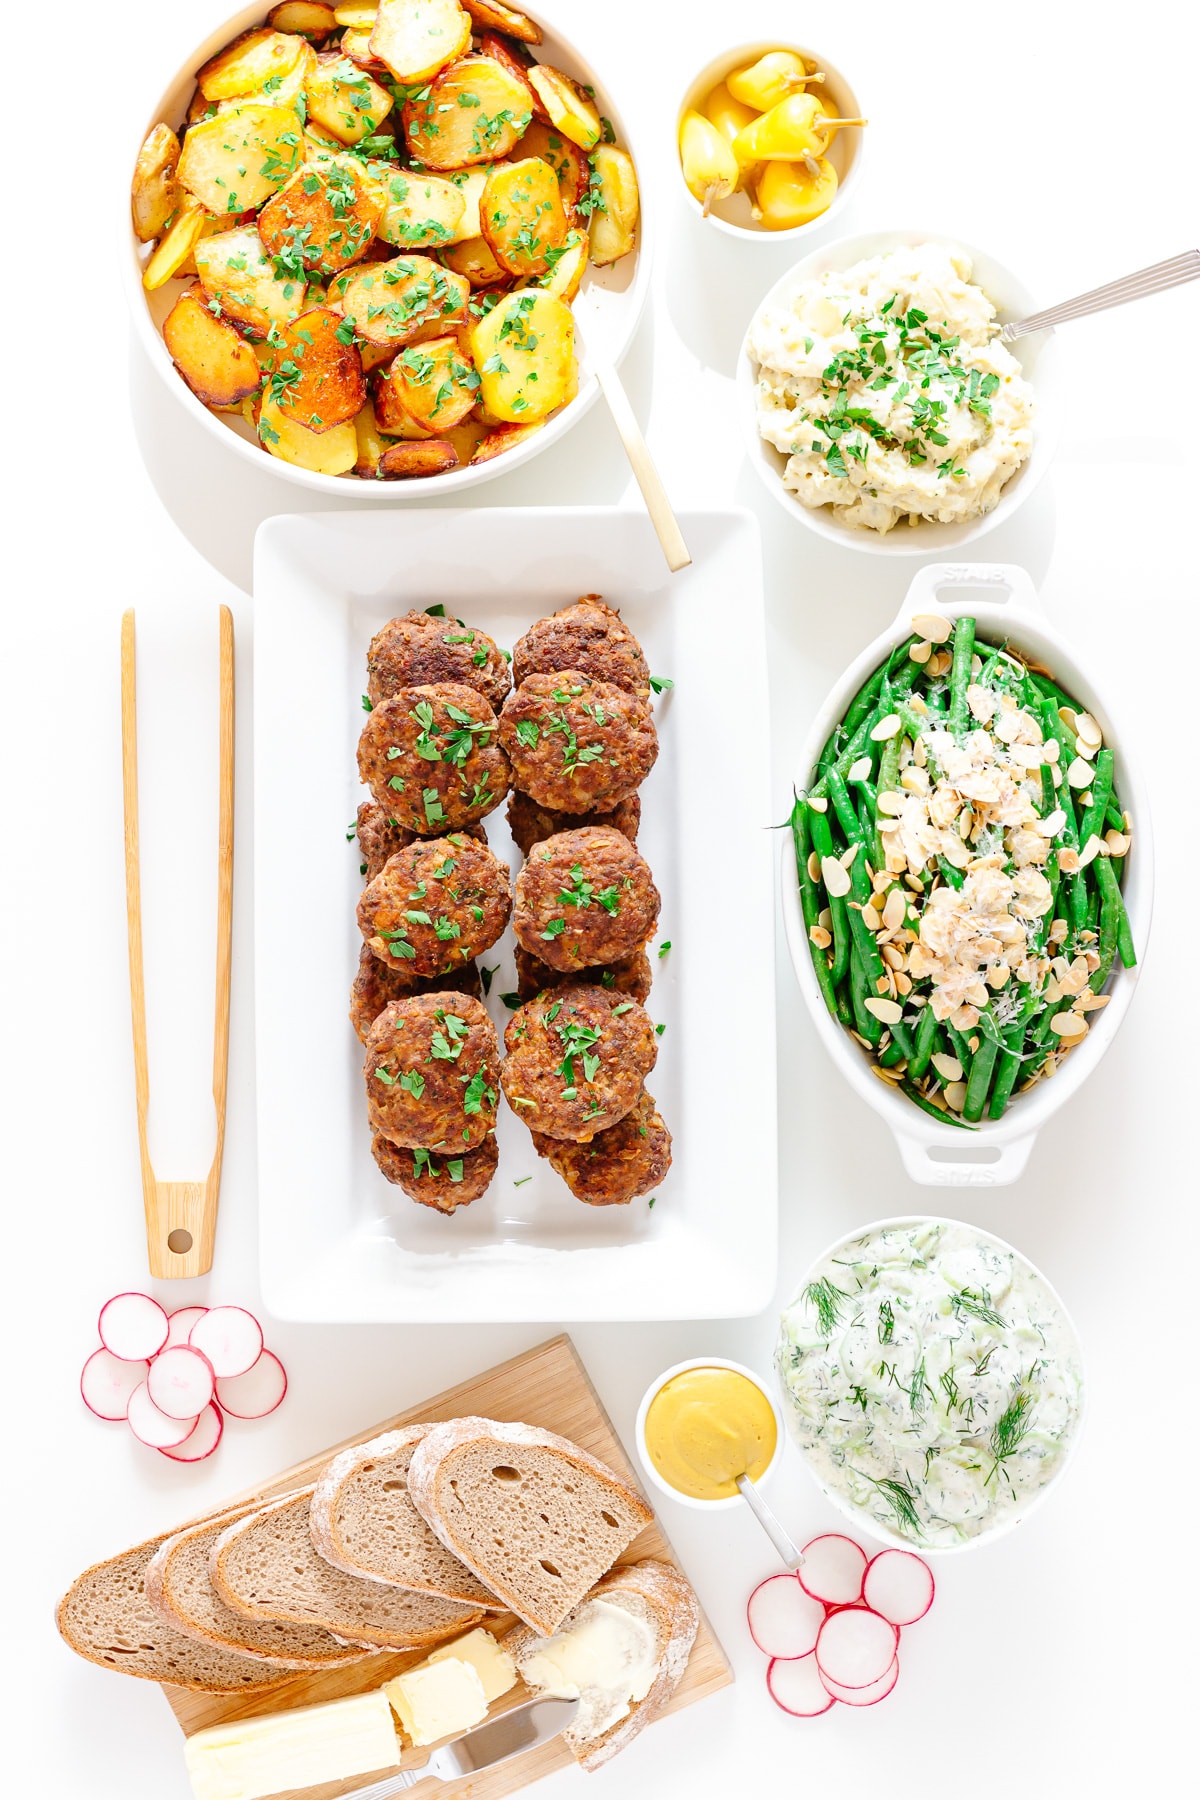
[437, 1699]
[493, 1665]
[249, 1758]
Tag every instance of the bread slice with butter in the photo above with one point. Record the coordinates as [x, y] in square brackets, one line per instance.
[264, 1566]
[536, 1518]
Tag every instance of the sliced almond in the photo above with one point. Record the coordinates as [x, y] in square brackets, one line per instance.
[860, 770]
[1052, 824]
[886, 728]
[1080, 773]
[956, 1095]
[1116, 842]
[1051, 750]
[891, 802]
[1067, 715]
[892, 955]
[835, 877]
[903, 984]
[891, 1076]
[825, 917]
[1090, 1002]
[870, 918]
[818, 803]
[932, 626]
[1088, 731]
[1068, 861]
[919, 653]
[1066, 1024]
[888, 1012]
[814, 866]
[895, 910]
[820, 937]
[1090, 851]
[997, 976]
[948, 1067]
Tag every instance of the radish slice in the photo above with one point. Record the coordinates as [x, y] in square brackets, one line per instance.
[855, 1647]
[783, 1619]
[201, 1441]
[133, 1326]
[257, 1392]
[795, 1684]
[151, 1427]
[180, 1322]
[230, 1338]
[898, 1586]
[833, 1569]
[180, 1382]
[865, 1696]
[107, 1382]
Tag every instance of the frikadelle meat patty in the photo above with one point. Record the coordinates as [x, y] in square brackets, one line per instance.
[431, 1070]
[630, 975]
[630, 1158]
[577, 1057]
[577, 745]
[432, 756]
[584, 897]
[377, 984]
[531, 824]
[442, 1182]
[421, 648]
[436, 904]
[588, 636]
[379, 836]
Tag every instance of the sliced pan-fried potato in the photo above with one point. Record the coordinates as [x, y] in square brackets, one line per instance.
[325, 218]
[344, 100]
[237, 275]
[407, 462]
[505, 52]
[317, 378]
[416, 38]
[324, 452]
[391, 414]
[371, 444]
[420, 210]
[503, 437]
[466, 437]
[236, 161]
[613, 226]
[357, 15]
[566, 104]
[299, 16]
[496, 17]
[217, 365]
[390, 301]
[437, 381]
[524, 350]
[521, 215]
[470, 184]
[357, 46]
[265, 62]
[473, 259]
[473, 112]
[375, 355]
[565, 158]
[567, 267]
[177, 245]
[154, 194]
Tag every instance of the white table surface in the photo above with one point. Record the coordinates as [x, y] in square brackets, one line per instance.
[1046, 1664]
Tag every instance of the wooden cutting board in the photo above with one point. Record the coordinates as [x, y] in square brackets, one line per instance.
[546, 1386]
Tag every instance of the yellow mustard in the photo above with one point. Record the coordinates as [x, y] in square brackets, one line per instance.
[706, 1427]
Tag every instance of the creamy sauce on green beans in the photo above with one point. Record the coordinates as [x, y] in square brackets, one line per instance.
[931, 1380]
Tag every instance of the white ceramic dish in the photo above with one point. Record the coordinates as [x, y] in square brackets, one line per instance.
[1038, 358]
[606, 310]
[682, 1368]
[732, 215]
[864, 1521]
[337, 1243]
[1005, 602]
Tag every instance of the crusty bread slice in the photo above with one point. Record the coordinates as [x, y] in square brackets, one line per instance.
[265, 1566]
[180, 1590]
[658, 1594]
[106, 1617]
[538, 1519]
[363, 1521]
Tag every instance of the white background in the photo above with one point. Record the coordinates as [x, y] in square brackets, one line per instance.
[1062, 138]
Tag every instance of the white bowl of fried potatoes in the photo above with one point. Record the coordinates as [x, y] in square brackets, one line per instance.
[388, 240]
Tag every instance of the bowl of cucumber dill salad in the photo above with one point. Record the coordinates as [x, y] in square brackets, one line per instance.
[932, 1380]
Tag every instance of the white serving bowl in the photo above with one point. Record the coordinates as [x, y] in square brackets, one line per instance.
[732, 215]
[606, 310]
[1037, 356]
[1005, 603]
[656, 1387]
[863, 1520]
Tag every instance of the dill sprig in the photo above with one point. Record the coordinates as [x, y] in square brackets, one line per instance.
[1012, 1427]
[826, 1301]
[887, 1322]
[978, 1305]
[902, 1501]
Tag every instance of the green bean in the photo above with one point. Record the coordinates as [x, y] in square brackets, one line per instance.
[822, 839]
[810, 904]
[1007, 1069]
[864, 701]
[935, 1112]
[866, 1024]
[891, 1056]
[960, 673]
[1113, 816]
[952, 876]
[1052, 726]
[983, 1062]
[1050, 690]
[1108, 947]
[1092, 823]
[923, 1043]
[959, 1045]
[860, 887]
[1092, 916]
[1111, 893]
[889, 781]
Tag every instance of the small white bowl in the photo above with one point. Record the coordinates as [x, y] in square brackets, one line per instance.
[733, 215]
[1037, 356]
[656, 1387]
[864, 1520]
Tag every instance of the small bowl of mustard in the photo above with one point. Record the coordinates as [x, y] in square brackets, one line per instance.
[703, 1423]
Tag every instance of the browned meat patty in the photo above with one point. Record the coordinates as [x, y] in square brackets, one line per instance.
[531, 824]
[443, 1182]
[630, 976]
[417, 650]
[378, 983]
[577, 745]
[431, 1071]
[436, 904]
[587, 636]
[379, 836]
[628, 1159]
[577, 1057]
[584, 897]
[432, 757]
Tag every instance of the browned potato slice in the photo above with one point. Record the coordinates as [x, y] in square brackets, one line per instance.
[492, 14]
[405, 462]
[613, 226]
[236, 161]
[470, 184]
[177, 245]
[259, 62]
[473, 259]
[390, 301]
[416, 38]
[522, 216]
[502, 438]
[357, 15]
[504, 51]
[324, 219]
[371, 445]
[357, 46]
[466, 437]
[567, 267]
[154, 194]
[238, 276]
[565, 158]
[375, 355]
[318, 375]
[344, 100]
[420, 209]
[324, 452]
[472, 112]
[299, 16]
[568, 107]
[524, 349]
[218, 367]
[437, 381]
[391, 414]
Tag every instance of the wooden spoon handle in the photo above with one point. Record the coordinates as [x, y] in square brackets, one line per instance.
[662, 518]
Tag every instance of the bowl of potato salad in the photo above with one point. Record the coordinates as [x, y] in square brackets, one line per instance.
[385, 241]
[878, 403]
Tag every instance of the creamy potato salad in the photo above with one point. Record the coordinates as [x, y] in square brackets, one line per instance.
[931, 1380]
[888, 390]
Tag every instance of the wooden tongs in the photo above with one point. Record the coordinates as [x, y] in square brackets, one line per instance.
[181, 1216]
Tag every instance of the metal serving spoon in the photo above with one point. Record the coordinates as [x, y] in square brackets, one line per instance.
[1154, 280]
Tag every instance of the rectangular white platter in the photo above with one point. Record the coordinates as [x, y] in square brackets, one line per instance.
[337, 1243]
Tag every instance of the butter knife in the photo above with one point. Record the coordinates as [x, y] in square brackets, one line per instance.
[495, 1741]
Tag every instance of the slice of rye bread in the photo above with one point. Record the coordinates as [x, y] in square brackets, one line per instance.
[106, 1617]
[657, 1593]
[180, 1590]
[363, 1521]
[265, 1566]
[538, 1519]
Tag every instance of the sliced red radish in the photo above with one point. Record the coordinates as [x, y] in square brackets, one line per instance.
[855, 1647]
[180, 1382]
[833, 1569]
[153, 1428]
[180, 1322]
[257, 1392]
[794, 1683]
[201, 1441]
[865, 1696]
[898, 1586]
[133, 1326]
[107, 1382]
[783, 1619]
[230, 1338]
